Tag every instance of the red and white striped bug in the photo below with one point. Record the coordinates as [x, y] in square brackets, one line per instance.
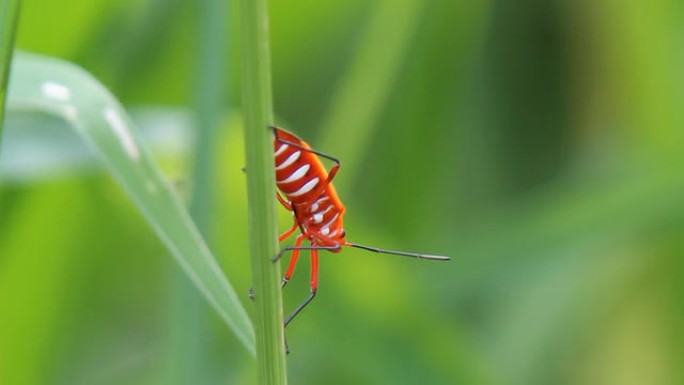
[317, 210]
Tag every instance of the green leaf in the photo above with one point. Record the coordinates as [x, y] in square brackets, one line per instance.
[52, 86]
[368, 83]
[43, 146]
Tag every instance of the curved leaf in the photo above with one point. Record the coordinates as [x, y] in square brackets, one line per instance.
[49, 85]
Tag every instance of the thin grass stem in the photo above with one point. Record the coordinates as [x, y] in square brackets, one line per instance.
[258, 114]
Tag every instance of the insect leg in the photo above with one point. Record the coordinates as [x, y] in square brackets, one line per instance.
[286, 204]
[293, 260]
[288, 233]
[314, 269]
[312, 247]
[314, 287]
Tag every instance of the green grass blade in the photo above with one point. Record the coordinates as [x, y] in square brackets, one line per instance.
[42, 146]
[9, 14]
[60, 88]
[189, 362]
[365, 89]
[263, 225]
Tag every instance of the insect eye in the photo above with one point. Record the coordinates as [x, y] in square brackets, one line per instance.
[344, 233]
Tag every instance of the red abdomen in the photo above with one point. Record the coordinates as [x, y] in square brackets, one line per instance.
[299, 174]
[303, 180]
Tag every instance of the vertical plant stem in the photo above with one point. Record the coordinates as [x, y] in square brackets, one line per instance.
[9, 15]
[258, 114]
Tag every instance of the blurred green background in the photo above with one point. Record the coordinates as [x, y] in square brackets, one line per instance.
[539, 143]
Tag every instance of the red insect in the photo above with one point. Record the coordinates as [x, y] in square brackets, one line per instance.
[317, 210]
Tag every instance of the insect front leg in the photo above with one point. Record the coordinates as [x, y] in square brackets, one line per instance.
[289, 232]
[286, 204]
[293, 260]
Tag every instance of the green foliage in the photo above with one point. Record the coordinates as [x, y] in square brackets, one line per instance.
[9, 13]
[50, 86]
[537, 143]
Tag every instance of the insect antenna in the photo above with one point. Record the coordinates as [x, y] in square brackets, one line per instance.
[403, 253]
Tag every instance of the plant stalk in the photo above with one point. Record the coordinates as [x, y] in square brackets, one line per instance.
[257, 107]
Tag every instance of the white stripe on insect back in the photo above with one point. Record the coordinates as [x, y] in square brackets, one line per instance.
[326, 232]
[314, 206]
[331, 221]
[298, 174]
[308, 186]
[318, 217]
[291, 159]
[280, 149]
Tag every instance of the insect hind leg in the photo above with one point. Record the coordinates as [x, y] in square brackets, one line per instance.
[314, 272]
[314, 288]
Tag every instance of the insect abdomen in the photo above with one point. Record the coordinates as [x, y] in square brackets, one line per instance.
[299, 174]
